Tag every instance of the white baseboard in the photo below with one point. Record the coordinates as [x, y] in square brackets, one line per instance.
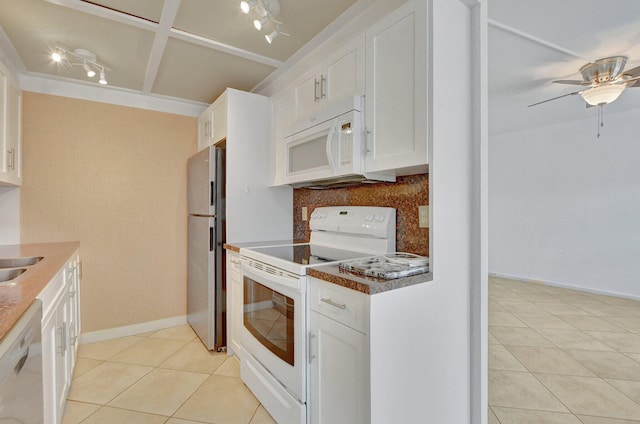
[566, 286]
[131, 330]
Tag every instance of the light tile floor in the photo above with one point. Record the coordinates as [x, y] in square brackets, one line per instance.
[559, 356]
[165, 376]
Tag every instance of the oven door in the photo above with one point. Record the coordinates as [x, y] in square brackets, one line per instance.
[274, 326]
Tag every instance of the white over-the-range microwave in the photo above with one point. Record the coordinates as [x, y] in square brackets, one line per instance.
[331, 152]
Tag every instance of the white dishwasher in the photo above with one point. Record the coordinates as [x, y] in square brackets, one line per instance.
[21, 370]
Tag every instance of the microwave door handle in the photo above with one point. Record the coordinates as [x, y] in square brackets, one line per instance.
[331, 148]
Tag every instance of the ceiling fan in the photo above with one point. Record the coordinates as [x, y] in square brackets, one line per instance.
[604, 80]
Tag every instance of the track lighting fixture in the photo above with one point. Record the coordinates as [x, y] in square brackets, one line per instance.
[81, 57]
[265, 12]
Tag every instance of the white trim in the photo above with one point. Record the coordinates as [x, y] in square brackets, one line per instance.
[535, 39]
[168, 16]
[74, 89]
[225, 48]
[131, 330]
[566, 286]
[106, 13]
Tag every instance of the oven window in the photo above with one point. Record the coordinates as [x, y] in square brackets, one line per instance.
[268, 315]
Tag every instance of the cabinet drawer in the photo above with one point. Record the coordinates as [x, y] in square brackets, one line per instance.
[348, 307]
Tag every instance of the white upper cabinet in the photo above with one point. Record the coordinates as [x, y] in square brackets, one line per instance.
[212, 124]
[338, 75]
[10, 130]
[396, 91]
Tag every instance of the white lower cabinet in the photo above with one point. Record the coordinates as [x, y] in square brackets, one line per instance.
[338, 355]
[60, 329]
[234, 304]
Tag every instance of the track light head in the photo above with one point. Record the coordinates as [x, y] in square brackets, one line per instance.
[56, 56]
[90, 72]
[102, 80]
[271, 37]
[259, 23]
[246, 6]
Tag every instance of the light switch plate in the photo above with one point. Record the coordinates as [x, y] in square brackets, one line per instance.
[423, 216]
[304, 213]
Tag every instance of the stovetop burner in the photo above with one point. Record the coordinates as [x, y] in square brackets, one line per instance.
[390, 266]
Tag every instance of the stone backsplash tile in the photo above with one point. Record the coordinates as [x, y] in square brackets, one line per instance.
[406, 194]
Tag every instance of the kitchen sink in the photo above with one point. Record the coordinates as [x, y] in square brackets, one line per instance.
[18, 262]
[6, 275]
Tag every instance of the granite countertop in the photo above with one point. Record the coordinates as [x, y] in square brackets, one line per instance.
[235, 247]
[18, 294]
[365, 284]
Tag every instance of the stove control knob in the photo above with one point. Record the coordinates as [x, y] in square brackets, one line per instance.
[380, 218]
[369, 218]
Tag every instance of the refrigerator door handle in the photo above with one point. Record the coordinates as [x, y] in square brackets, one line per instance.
[213, 193]
[212, 241]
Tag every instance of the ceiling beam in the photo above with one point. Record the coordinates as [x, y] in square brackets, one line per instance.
[537, 40]
[169, 12]
[106, 13]
[222, 47]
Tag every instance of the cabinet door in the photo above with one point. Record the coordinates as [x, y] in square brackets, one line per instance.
[396, 91]
[306, 94]
[62, 377]
[234, 304]
[339, 373]
[13, 132]
[344, 72]
[73, 321]
[219, 119]
[204, 129]
[49, 356]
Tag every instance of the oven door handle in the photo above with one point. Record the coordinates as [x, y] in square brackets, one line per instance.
[259, 275]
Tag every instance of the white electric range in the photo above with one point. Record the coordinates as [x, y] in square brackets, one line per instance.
[274, 332]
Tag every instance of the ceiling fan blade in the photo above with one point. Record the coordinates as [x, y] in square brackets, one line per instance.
[634, 72]
[633, 82]
[572, 82]
[555, 98]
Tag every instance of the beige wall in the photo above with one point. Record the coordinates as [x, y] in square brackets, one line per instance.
[113, 178]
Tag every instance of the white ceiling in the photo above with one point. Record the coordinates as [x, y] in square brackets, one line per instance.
[532, 43]
[186, 49]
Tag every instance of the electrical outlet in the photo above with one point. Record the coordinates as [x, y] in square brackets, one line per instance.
[305, 217]
[423, 216]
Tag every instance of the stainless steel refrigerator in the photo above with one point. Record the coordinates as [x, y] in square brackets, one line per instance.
[206, 304]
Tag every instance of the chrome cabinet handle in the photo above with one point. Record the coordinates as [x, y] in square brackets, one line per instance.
[311, 357]
[316, 86]
[323, 87]
[62, 331]
[11, 161]
[332, 303]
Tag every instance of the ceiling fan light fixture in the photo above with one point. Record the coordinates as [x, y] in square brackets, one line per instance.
[602, 94]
